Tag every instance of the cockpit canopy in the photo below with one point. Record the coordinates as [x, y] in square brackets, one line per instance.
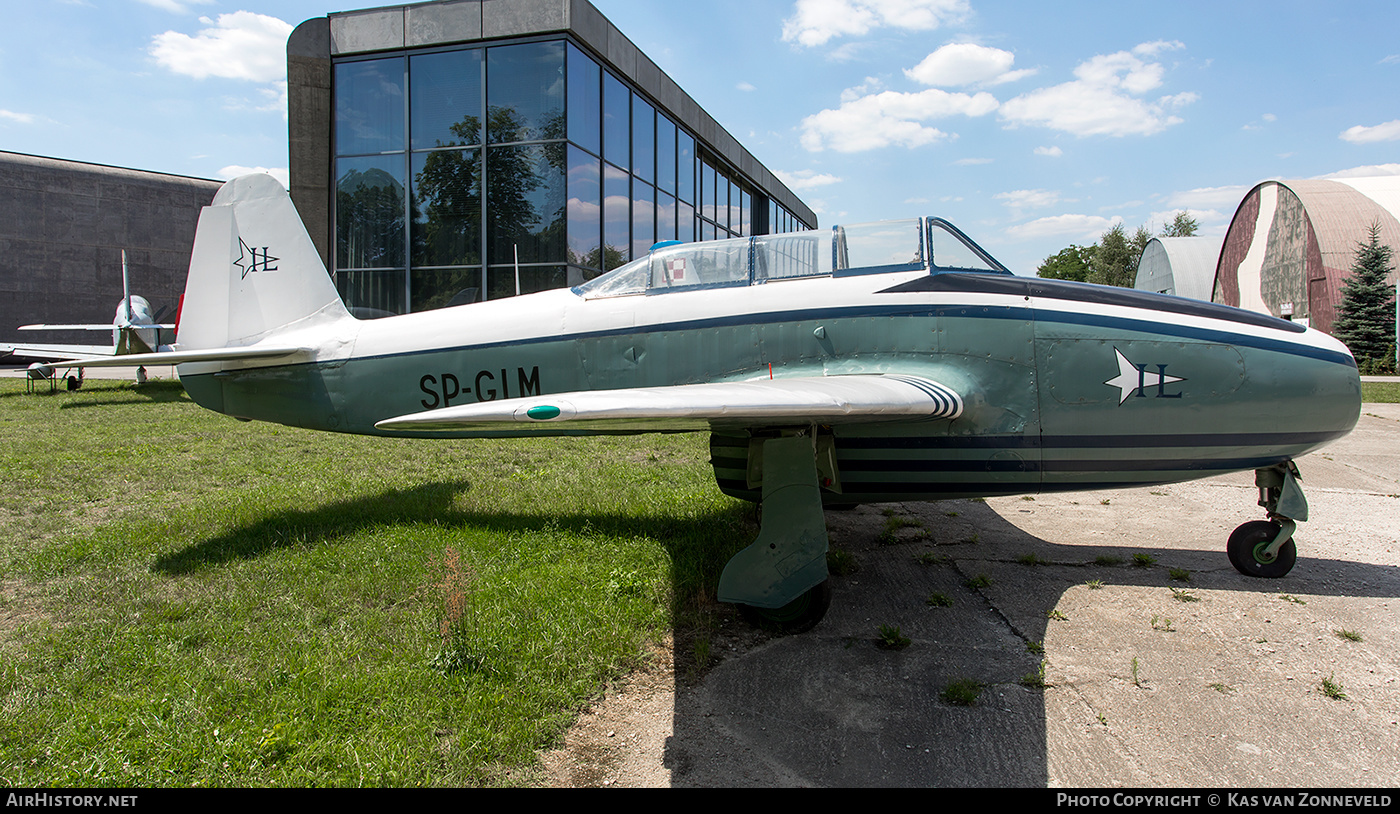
[864, 248]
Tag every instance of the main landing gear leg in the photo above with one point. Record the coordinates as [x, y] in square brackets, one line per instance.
[780, 580]
[1265, 548]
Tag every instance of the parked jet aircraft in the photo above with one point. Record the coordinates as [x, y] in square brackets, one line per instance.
[134, 331]
[877, 362]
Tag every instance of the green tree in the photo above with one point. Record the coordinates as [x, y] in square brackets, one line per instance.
[1114, 262]
[1068, 264]
[1183, 225]
[1366, 316]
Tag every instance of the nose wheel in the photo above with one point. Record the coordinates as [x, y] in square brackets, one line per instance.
[1265, 548]
[1253, 554]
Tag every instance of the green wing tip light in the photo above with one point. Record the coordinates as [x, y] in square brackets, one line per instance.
[543, 413]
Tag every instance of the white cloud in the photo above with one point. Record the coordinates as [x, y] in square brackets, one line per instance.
[176, 6]
[1102, 99]
[1028, 198]
[1052, 151]
[972, 162]
[232, 171]
[806, 179]
[1390, 131]
[1084, 227]
[1208, 198]
[889, 118]
[966, 63]
[240, 45]
[814, 22]
[745, 86]
[1152, 49]
[18, 118]
[1368, 171]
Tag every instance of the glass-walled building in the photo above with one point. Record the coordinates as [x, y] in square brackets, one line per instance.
[482, 148]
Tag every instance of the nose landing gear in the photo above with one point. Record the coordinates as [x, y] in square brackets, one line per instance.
[1265, 548]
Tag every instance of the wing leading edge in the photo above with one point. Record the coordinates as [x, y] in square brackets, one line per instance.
[765, 402]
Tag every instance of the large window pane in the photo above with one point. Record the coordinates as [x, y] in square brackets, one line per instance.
[525, 204]
[525, 92]
[685, 222]
[440, 288]
[369, 106]
[685, 167]
[643, 139]
[722, 200]
[369, 212]
[665, 216]
[617, 127]
[708, 181]
[617, 218]
[501, 282]
[745, 212]
[665, 154]
[372, 294]
[446, 99]
[585, 111]
[446, 208]
[643, 217]
[585, 209]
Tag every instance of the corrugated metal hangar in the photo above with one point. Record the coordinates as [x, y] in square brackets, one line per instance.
[1292, 243]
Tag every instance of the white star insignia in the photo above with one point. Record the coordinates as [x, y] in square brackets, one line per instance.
[1130, 379]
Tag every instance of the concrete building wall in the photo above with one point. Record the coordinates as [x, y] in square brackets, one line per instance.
[1291, 244]
[63, 226]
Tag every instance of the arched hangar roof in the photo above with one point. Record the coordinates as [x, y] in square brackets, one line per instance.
[1184, 266]
[1291, 244]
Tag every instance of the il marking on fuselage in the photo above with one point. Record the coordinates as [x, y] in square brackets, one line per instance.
[1134, 380]
[251, 259]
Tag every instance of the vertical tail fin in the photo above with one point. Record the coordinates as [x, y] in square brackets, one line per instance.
[254, 271]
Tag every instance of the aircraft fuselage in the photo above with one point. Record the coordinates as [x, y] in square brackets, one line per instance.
[1066, 386]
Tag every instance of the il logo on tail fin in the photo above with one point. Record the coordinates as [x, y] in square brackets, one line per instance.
[251, 259]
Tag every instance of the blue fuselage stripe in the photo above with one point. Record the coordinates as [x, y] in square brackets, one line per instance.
[955, 311]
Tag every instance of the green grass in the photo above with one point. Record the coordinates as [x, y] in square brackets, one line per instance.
[195, 601]
[1330, 688]
[891, 638]
[1381, 392]
[962, 692]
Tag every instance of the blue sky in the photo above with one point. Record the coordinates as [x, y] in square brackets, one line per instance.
[1030, 125]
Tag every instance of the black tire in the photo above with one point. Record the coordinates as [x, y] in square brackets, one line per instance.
[798, 616]
[1246, 547]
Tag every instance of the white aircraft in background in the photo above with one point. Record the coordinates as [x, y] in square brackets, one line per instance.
[134, 330]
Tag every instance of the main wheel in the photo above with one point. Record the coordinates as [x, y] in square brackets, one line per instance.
[1248, 543]
[797, 616]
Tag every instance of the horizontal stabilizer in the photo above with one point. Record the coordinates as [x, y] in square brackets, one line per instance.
[60, 351]
[764, 402]
[178, 357]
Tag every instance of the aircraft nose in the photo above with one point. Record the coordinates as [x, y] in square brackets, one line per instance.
[1335, 385]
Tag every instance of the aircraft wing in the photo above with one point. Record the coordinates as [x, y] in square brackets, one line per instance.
[763, 402]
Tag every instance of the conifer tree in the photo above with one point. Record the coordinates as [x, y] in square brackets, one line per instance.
[1366, 316]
